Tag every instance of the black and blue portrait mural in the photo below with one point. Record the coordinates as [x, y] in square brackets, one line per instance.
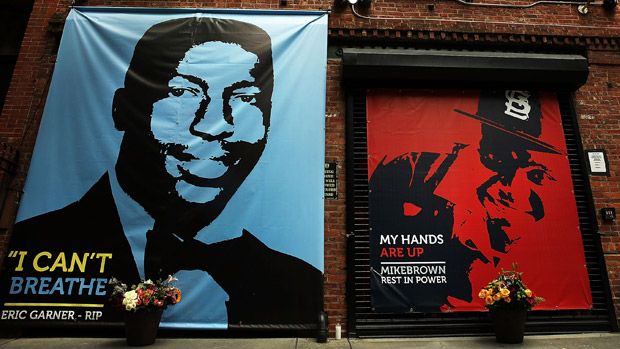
[177, 142]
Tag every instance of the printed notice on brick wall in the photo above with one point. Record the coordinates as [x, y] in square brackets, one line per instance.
[331, 180]
[461, 185]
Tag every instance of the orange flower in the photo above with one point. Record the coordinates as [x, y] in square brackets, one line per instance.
[483, 293]
[177, 296]
[528, 292]
[489, 300]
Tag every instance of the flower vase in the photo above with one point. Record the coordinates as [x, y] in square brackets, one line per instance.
[508, 324]
[141, 326]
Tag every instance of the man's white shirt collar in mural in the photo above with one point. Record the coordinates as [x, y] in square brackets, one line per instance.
[134, 219]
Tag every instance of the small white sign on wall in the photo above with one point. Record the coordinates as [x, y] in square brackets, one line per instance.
[597, 162]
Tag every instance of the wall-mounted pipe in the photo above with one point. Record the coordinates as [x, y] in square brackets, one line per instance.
[542, 2]
[446, 20]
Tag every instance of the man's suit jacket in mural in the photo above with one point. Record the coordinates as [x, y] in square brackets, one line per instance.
[264, 286]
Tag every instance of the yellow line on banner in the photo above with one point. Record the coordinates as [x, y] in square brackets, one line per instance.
[53, 305]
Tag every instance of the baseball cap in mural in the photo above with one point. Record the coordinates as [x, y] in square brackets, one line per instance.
[512, 117]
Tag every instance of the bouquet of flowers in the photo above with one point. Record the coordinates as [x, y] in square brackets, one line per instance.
[147, 295]
[508, 291]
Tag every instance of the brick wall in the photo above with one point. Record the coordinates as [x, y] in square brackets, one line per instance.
[25, 99]
[545, 27]
[598, 113]
[335, 220]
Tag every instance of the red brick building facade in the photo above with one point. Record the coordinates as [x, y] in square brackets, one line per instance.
[555, 27]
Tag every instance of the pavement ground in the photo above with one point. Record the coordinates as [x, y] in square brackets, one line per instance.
[568, 341]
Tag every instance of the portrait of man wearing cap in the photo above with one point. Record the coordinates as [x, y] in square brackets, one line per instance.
[478, 174]
[511, 130]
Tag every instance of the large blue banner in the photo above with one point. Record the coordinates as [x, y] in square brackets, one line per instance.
[176, 141]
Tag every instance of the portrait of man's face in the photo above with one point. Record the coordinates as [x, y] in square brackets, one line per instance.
[517, 188]
[209, 119]
[196, 110]
[513, 198]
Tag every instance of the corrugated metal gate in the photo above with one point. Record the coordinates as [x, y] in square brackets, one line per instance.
[364, 322]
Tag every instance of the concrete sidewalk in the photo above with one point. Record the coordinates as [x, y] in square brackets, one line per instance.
[573, 341]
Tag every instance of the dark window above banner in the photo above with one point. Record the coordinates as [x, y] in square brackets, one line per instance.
[393, 67]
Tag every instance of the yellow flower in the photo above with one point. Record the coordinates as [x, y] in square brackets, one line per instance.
[528, 292]
[483, 293]
[496, 296]
[489, 300]
[505, 292]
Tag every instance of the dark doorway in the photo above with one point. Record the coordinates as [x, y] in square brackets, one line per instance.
[14, 16]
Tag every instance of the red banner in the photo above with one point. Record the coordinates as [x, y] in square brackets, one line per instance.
[463, 184]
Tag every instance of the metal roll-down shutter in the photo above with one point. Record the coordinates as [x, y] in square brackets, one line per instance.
[363, 321]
